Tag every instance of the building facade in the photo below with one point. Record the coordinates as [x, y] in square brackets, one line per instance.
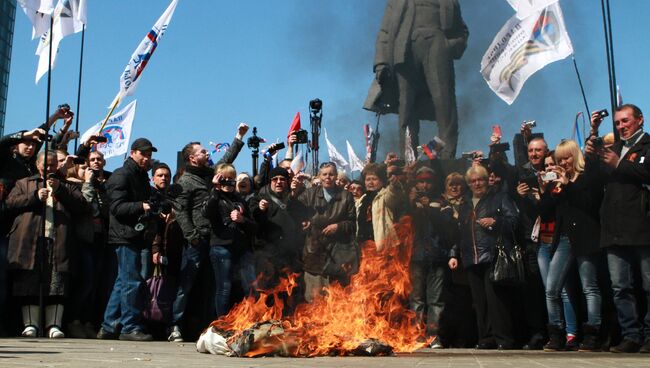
[7, 19]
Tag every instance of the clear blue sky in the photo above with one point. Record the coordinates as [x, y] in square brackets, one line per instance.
[224, 62]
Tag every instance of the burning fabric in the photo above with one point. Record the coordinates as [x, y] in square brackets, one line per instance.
[366, 317]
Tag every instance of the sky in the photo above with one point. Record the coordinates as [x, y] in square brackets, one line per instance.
[225, 62]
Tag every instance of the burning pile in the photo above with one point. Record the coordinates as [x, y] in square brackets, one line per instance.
[366, 317]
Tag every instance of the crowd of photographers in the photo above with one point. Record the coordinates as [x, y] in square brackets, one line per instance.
[82, 241]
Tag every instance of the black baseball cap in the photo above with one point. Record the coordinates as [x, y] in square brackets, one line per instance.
[143, 144]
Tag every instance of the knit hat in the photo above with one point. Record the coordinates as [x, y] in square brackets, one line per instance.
[424, 173]
[279, 171]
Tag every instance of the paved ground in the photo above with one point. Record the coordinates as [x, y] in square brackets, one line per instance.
[94, 353]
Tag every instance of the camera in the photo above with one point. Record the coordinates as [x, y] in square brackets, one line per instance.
[598, 142]
[301, 136]
[602, 114]
[315, 105]
[78, 160]
[101, 139]
[254, 141]
[500, 147]
[549, 176]
[226, 181]
[530, 124]
[470, 155]
[64, 106]
[159, 205]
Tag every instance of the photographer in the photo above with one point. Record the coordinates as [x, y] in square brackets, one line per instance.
[625, 224]
[231, 228]
[193, 189]
[129, 192]
[167, 246]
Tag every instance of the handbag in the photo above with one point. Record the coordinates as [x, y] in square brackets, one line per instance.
[508, 267]
[161, 295]
[342, 259]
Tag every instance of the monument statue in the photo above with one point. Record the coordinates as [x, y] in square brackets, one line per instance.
[414, 67]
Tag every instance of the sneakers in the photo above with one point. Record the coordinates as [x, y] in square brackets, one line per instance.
[626, 346]
[30, 331]
[436, 344]
[175, 335]
[55, 333]
[135, 335]
[106, 335]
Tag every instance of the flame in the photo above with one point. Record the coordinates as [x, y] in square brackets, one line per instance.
[371, 306]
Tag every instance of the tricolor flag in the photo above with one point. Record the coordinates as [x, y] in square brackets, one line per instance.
[69, 17]
[39, 13]
[142, 55]
[117, 131]
[522, 47]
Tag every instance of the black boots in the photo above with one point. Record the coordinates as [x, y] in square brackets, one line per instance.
[590, 338]
[556, 339]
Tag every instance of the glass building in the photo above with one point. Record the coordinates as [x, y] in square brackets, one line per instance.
[7, 18]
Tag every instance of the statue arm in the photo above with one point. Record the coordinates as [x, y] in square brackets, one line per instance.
[382, 52]
[457, 37]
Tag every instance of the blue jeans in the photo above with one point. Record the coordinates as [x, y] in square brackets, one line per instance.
[222, 266]
[544, 260]
[557, 274]
[621, 261]
[125, 303]
[426, 298]
[193, 256]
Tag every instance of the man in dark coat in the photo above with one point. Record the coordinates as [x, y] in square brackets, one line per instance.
[414, 67]
[129, 192]
[193, 189]
[625, 221]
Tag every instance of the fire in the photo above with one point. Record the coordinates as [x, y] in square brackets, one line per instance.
[372, 306]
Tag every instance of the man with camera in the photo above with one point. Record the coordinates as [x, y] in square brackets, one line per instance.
[193, 189]
[129, 193]
[523, 183]
[625, 220]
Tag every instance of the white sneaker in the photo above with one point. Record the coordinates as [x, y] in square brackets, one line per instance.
[436, 344]
[175, 335]
[30, 331]
[55, 333]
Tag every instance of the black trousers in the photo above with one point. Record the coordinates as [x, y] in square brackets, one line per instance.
[492, 305]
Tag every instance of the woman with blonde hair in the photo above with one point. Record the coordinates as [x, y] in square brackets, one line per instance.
[575, 198]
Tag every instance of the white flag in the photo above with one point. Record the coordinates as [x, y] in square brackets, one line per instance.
[39, 13]
[523, 47]
[335, 156]
[525, 8]
[130, 78]
[68, 16]
[117, 131]
[409, 154]
[353, 159]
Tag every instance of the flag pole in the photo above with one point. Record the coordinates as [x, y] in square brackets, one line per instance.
[609, 50]
[117, 101]
[81, 62]
[582, 89]
[43, 243]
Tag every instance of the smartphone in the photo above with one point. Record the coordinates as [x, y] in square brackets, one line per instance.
[531, 181]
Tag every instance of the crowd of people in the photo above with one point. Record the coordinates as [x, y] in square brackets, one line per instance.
[85, 240]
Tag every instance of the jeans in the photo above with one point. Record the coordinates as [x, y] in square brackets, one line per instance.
[621, 261]
[125, 303]
[557, 274]
[222, 266]
[86, 283]
[428, 282]
[193, 256]
[544, 260]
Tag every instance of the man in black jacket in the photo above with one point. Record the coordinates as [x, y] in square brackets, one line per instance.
[129, 192]
[193, 189]
[625, 221]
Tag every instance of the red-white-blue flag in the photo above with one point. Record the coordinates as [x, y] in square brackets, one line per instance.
[142, 55]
